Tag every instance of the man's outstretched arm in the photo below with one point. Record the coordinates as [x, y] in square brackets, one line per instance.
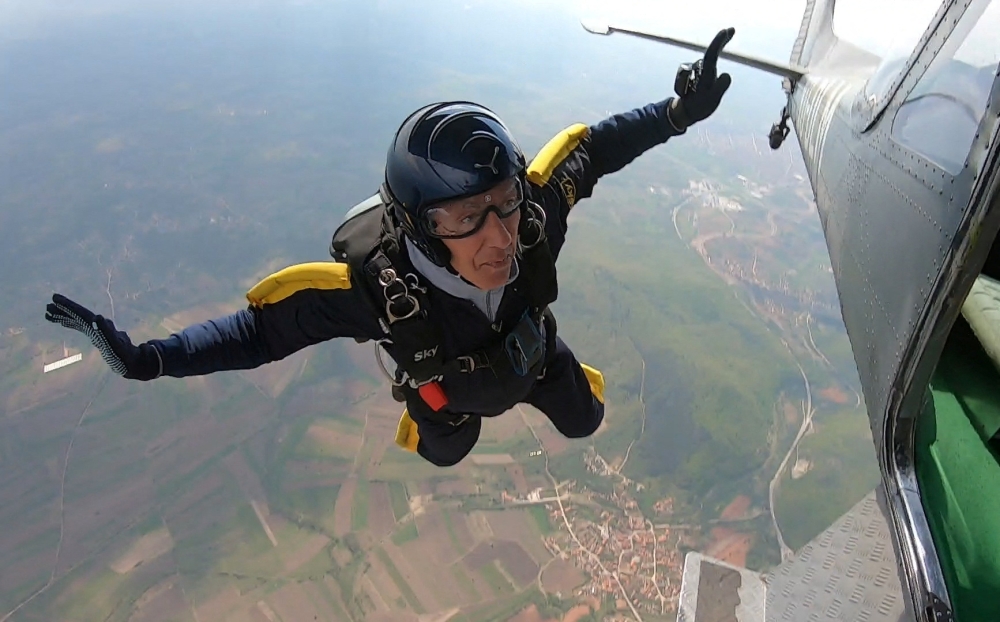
[292, 316]
[569, 166]
[264, 334]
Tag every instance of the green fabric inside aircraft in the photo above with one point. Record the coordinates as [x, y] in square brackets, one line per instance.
[959, 474]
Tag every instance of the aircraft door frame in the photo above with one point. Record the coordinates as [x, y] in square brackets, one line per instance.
[961, 266]
[924, 297]
[967, 232]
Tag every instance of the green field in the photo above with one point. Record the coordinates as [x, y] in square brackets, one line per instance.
[461, 575]
[398, 499]
[401, 584]
[450, 527]
[498, 584]
[359, 509]
[509, 607]
[541, 517]
[404, 534]
[700, 376]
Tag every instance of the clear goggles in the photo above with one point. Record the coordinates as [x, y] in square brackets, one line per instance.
[464, 217]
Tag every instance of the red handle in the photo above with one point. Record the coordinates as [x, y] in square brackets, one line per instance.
[433, 395]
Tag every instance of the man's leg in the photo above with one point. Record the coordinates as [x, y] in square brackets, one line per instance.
[444, 444]
[565, 396]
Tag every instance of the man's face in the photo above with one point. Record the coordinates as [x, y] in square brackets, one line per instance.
[484, 258]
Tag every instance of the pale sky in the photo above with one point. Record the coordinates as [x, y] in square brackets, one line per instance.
[885, 27]
[867, 17]
[881, 26]
[876, 25]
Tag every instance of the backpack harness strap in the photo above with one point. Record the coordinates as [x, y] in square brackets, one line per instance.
[369, 243]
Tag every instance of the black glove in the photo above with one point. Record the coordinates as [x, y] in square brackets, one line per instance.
[699, 90]
[140, 362]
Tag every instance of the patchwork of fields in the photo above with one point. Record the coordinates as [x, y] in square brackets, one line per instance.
[219, 503]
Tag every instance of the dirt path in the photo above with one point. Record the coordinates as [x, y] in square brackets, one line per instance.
[263, 523]
[673, 215]
[642, 406]
[786, 552]
[659, 594]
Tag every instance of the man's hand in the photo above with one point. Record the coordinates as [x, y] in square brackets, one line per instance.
[698, 88]
[140, 362]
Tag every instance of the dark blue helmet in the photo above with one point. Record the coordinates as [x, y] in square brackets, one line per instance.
[441, 152]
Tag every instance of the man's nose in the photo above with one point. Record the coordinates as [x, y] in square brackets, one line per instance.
[494, 231]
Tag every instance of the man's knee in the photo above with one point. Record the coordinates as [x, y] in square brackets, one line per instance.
[570, 394]
[443, 444]
[588, 423]
[441, 460]
[592, 417]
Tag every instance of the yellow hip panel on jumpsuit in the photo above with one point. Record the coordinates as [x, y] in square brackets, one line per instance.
[596, 380]
[406, 432]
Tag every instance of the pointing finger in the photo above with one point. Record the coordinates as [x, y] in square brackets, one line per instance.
[712, 53]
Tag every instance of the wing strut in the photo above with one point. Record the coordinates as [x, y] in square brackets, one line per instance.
[792, 72]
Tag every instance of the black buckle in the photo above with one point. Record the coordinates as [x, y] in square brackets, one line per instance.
[524, 345]
[687, 78]
[472, 362]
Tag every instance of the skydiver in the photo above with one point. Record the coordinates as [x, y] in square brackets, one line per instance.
[452, 272]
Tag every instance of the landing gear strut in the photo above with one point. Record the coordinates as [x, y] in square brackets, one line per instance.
[779, 131]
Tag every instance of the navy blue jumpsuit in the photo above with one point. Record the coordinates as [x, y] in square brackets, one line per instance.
[259, 335]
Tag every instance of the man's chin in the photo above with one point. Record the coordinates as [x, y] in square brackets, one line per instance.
[492, 278]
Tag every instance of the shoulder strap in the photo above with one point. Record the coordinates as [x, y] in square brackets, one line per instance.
[369, 242]
[354, 242]
[541, 287]
[538, 268]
